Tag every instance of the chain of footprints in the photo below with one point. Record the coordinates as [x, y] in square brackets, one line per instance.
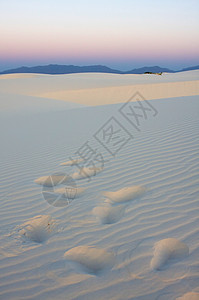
[93, 259]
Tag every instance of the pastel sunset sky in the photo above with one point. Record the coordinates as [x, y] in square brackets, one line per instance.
[122, 34]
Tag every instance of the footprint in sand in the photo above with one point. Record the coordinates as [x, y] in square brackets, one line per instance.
[125, 194]
[52, 180]
[108, 214]
[65, 192]
[91, 259]
[86, 173]
[189, 296]
[167, 250]
[37, 229]
[72, 162]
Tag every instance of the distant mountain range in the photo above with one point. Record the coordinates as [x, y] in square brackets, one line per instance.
[69, 69]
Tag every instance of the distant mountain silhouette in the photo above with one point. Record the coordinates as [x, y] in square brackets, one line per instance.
[62, 69]
[189, 69]
[154, 69]
[69, 69]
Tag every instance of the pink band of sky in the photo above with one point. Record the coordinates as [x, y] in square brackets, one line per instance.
[116, 33]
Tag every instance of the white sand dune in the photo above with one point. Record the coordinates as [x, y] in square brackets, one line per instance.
[118, 94]
[125, 194]
[93, 259]
[163, 156]
[18, 75]
[12, 104]
[38, 229]
[166, 250]
[101, 89]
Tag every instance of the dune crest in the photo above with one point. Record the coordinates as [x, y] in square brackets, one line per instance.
[19, 75]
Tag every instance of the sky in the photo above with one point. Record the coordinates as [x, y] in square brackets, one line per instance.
[122, 34]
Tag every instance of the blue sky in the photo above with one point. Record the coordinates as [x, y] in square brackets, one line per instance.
[121, 34]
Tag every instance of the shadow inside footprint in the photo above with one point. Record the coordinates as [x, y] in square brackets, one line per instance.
[108, 214]
[92, 260]
[37, 229]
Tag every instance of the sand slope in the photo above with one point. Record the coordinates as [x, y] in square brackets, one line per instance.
[163, 157]
[100, 89]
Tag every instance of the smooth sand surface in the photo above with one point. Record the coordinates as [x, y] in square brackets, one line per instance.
[100, 89]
